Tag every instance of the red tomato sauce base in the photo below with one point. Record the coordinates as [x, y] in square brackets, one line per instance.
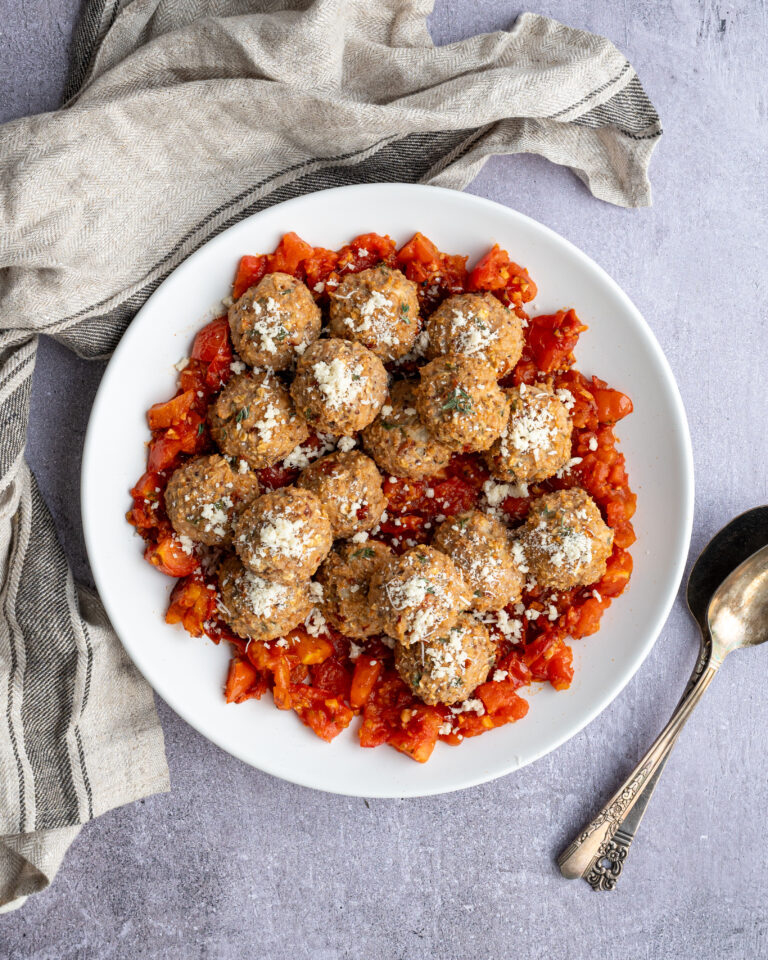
[314, 676]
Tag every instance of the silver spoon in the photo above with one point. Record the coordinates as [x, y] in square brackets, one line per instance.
[728, 596]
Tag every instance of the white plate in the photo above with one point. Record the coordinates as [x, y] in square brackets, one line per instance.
[189, 674]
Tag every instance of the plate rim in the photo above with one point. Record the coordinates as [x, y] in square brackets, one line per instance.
[687, 489]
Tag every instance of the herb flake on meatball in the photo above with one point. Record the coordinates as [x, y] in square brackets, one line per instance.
[339, 386]
[379, 308]
[460, 402]
[419, 594]
[566, 541]
[253, 418]
[348, 485]
[274, 321]
[477, 325]
[283, 534]
[536, 441]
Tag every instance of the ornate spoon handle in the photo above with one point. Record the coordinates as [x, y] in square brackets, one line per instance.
[598, 853]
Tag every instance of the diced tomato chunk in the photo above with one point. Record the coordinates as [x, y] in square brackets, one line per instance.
[497, 273]
[323, 713]
[169, 557]
[612, 405]
[163, 453]
[367, 672]
[192, 604]
[290, 252]
[250, 271]
[243, 681]
[171, 412]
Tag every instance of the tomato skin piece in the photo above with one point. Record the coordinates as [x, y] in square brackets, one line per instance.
[241, 679]
[163, 452]
[250, 271]
[612, 405]
[192, 603]
[322, 712]
[288, 256]
[497, 273]
[552, 338]
[171, 412]
[367, 672]
[418, 733]
[169, 557]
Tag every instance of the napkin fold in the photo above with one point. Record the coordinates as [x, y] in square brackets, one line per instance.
[182, 117]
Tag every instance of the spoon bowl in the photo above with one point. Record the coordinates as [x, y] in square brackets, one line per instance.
[738, 612]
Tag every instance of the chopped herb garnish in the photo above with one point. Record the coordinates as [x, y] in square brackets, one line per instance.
[478, 593]
[355, 376]
[200, 429]
[281, 334]
[366, 552]
[242, 414]
[460, 400]
[387, 425]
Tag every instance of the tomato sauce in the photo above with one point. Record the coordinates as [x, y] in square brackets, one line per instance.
[315, 676]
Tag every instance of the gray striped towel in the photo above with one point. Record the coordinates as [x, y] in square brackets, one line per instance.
[184, 116]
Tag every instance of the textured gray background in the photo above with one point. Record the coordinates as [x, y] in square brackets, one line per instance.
[235, 864]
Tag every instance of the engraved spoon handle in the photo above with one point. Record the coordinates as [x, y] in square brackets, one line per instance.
[598, 842]
[627, 824]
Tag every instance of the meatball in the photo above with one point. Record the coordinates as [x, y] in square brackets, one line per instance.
[480, 547]
[349, 487]
[283, 534]
[259, 608]
[398, 440]
[565, 540]
[204, 497]
[345, 577]
[339, 386]
[536, 441]
[253, 418]
[274, 322]
[476, 325]
[460, 402]
[378, 308]
[419, 594]
[447, 668]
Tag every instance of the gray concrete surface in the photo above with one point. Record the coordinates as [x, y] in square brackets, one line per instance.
[235, 864]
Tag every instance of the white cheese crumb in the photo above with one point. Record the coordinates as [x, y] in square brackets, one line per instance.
[187, 544]
[346, 444]
[182, 364]
[593, 443]
[237, 366]
[499, 675]
[339, 383]
[360, 537]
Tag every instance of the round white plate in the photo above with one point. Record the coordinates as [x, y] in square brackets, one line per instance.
[189, 674]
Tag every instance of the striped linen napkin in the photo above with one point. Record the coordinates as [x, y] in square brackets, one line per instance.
[182, 117]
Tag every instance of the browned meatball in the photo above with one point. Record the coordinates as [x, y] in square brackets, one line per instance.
[566, 541]
[447, 668]
[349, 487]
[283, 534]
[378, 308]
[398, 440]
[253, 418]
[419, 594]
[204, 497]
[536, 442]
[259, 608]
[345, 577]
[339, 386]
[460, 402]
[476, 325]
[274, 322]
[479, 545]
